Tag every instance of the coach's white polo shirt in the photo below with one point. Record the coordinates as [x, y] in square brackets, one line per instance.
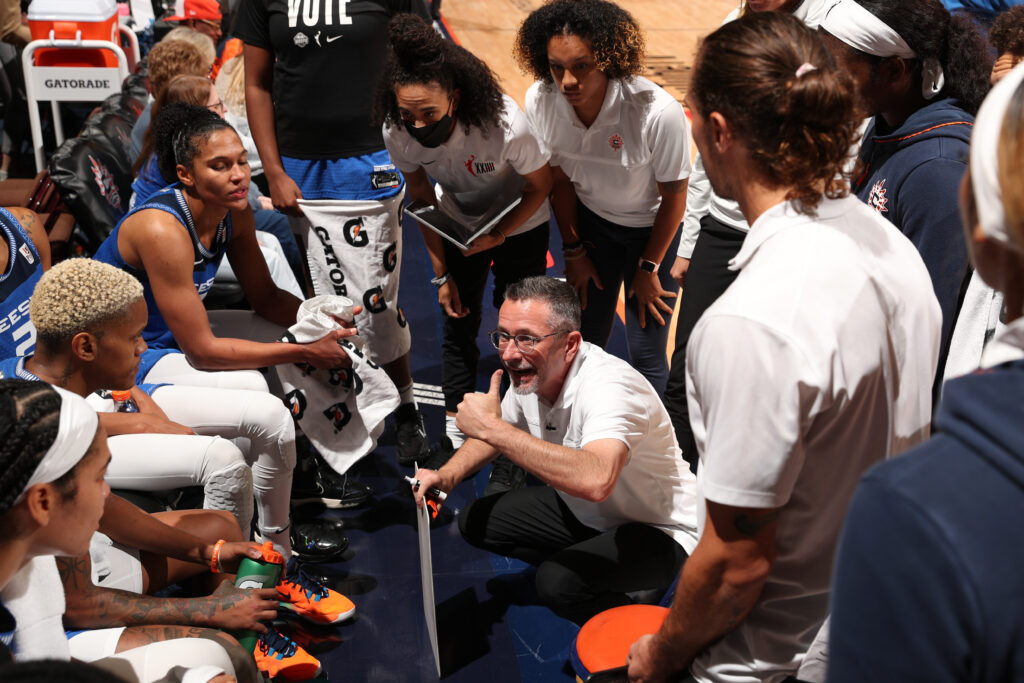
[606, 398]
[474, 170]
[817, 362]
[640, 137]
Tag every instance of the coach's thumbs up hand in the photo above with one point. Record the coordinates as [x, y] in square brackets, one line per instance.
[479, 413]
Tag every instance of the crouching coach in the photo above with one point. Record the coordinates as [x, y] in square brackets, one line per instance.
[617, 514]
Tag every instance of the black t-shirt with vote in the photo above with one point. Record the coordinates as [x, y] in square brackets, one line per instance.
[329, 55]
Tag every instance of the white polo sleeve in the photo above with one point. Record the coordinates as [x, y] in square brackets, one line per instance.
[750, 391]
[538, 117]
[395, 140]
[523, 149]
[669, 142]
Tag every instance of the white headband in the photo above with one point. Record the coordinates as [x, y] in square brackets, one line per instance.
[76, 430]
[862, 30]
[988, 125]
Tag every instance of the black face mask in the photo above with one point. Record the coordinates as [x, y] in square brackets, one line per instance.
[433, 134]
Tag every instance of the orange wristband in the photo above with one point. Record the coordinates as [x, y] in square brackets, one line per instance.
[215, 557]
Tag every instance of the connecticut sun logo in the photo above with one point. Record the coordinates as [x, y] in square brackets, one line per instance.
[877, 199]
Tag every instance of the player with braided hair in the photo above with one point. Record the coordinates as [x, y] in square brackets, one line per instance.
[53, 496]
[29, 421]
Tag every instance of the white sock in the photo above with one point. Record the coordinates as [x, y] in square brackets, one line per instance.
[281, 540]
[453, 432]
[405, 395]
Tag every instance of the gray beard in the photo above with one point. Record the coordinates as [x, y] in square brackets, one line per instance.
[526, 390]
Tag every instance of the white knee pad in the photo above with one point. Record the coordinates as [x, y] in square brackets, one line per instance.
[227, 482]
[271, 430]
[250, 380]
[153, 662]
[88, 646]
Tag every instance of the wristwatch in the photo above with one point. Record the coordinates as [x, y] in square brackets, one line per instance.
[440, 279]
[648, 266]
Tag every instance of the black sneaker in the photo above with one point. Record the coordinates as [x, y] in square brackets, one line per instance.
[505, 476]
[410, 435]
[317, 541]
[323, 485]
[341, 490]
[440, 453]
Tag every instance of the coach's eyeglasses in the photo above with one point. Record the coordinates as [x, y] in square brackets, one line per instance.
[524, 342]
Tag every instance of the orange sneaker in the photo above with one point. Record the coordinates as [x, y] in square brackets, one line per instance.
[278, 656]
[311, 599]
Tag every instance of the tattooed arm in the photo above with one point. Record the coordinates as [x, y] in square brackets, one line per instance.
[718, 586]
[36, 230]
[91, 606]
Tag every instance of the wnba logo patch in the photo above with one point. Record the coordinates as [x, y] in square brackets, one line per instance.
[402, 322]
[355, 234]
[296, 403]
[391, 257]
[373, 300]
[27, 253]
[339, 415]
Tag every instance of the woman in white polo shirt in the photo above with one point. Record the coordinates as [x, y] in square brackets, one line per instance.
[445, 118]
[620, 157]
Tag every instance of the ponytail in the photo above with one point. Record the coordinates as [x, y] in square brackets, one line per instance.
[178, 131]
[778, 87]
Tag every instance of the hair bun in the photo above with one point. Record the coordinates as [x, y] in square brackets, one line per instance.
[414, 40]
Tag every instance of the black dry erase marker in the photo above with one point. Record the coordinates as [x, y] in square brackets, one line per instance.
[432, 492]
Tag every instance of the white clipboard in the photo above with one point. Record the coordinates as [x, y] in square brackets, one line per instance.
[427, 579]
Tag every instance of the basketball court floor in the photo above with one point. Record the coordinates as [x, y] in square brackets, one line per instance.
[490, 627]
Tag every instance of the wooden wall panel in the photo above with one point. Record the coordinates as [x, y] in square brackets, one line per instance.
[673, 27]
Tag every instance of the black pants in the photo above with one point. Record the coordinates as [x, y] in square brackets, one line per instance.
[519, 257]
[615, 251]
[707, 278]
[581, 571]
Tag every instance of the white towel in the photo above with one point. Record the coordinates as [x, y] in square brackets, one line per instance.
[354, 249]
[976, 325]
[341, 411]
[35, 598]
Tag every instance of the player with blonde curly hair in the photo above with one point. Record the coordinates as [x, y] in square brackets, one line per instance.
[620, 156]
[88, 317]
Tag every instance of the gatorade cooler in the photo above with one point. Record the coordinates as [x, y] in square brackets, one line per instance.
[93, 19]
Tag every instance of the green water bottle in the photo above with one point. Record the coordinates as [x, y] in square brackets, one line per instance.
[262, 573]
